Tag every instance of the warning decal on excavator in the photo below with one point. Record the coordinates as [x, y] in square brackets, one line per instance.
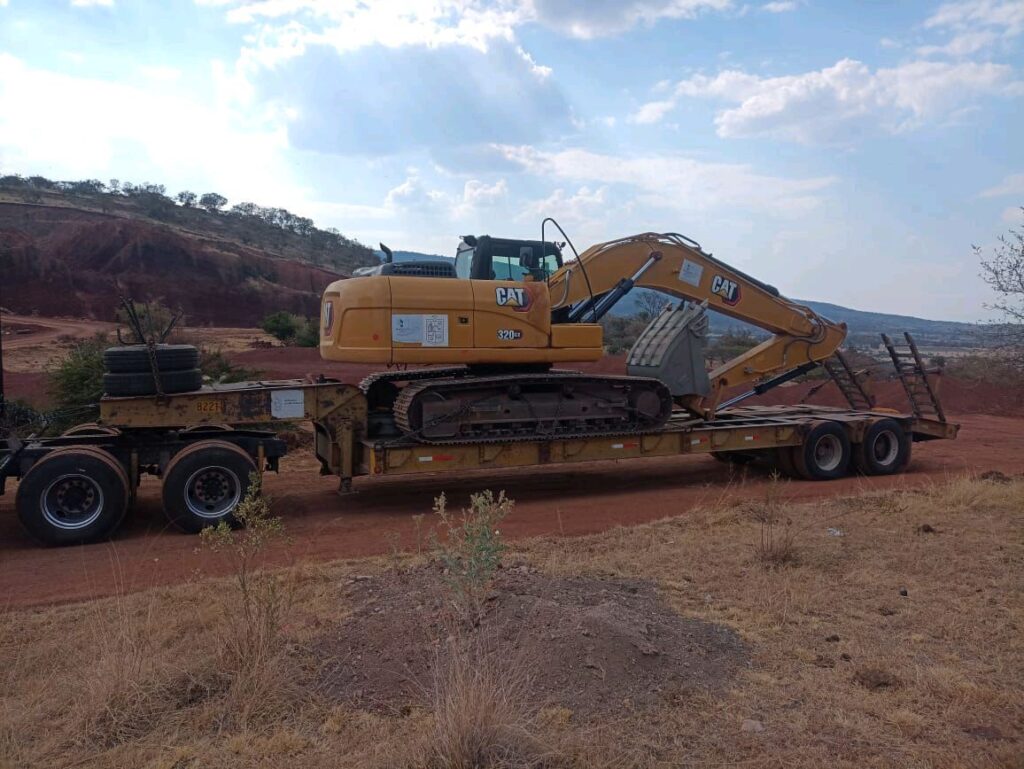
[691, 273]
[427, 330]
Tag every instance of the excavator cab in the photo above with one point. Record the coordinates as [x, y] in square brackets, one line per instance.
[487, 258]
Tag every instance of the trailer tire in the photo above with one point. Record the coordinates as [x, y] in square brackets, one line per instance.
[824, 454]
[885, 449]
[72, 496]
[143, 382]
[134, 358]
[204, 483]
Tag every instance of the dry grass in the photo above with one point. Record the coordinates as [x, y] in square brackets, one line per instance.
[481, 714]
[846, 670]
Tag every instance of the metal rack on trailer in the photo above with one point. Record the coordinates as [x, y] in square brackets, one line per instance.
[204, 444]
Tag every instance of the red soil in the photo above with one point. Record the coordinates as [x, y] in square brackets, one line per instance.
[549, 501]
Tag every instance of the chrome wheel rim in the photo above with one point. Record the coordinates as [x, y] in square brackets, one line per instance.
[828, 453]
[71, 502]
[212, 492]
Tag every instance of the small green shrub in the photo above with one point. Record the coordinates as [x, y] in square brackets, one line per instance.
[253, 642]
[292, 329]
[471, 552]
[76, 384]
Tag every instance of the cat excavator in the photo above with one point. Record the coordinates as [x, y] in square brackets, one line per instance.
[484, 333]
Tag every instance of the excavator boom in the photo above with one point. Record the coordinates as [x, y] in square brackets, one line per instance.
[587, 288]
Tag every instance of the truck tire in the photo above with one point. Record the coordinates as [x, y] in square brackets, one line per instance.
[133, 358]
[143, 383]
[204, 483]
[73, 495]
[885, 449]
[824, 454]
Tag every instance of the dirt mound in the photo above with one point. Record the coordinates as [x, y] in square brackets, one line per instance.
[59, 261]
[591, 645]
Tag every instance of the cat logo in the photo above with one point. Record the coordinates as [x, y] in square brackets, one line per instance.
[515, 297]
[729, 290]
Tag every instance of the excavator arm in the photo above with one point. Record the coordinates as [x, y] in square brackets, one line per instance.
[583, 290]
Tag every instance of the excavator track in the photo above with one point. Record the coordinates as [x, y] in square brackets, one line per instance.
[509, 407]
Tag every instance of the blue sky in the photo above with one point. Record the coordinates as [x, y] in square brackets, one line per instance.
[846, 152]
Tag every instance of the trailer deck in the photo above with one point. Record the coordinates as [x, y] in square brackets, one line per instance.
[205, 444]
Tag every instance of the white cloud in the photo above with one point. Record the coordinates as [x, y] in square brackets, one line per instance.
[584, 206]
[160, 134]
[674, 181]
[652, 112]
[1013, 215]
[1011, 185]
[161, 74]
[975, 25]
[478, 194]
[413, 195]
[846, 100]
[92, 3]
[780, 6]
[599, 18]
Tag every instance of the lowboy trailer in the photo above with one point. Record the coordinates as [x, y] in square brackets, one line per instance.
[204, 444]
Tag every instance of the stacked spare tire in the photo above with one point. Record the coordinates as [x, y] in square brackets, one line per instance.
[129, 369]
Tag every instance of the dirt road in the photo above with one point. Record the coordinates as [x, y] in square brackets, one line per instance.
[380, 516]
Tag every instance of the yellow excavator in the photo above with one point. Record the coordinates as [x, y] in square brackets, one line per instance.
[500, 316]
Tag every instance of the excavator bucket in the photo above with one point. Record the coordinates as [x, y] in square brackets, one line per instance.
[671, 349]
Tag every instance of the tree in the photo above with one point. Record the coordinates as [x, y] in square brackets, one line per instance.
[186, 198]
[212, 202]
[650, 303]
[1003, 270]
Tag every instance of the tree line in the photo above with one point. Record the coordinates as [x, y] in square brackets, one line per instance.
[154, 201]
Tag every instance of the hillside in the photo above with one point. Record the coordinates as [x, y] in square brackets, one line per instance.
[63, 246]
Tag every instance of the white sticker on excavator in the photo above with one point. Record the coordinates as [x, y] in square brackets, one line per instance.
[427, 330]
[691, 273]
[435, 330]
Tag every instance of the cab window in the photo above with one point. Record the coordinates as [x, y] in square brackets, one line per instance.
[464, 261]
[507, 268]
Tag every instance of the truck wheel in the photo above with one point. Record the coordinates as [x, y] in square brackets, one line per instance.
[825, 453]
[142, 383]
[134, 358]
[73, 495]
[204, 483]
[885, 449]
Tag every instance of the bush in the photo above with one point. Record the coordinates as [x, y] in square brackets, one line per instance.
[292, 329]
[253, 642]
[280, 325]
[76, 384]
[219, 370]
[472, 550]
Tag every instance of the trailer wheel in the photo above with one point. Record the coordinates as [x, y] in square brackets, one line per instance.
[143, 383]
[825, 453]
[73, 495]
[885, 449]
[204, 483]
